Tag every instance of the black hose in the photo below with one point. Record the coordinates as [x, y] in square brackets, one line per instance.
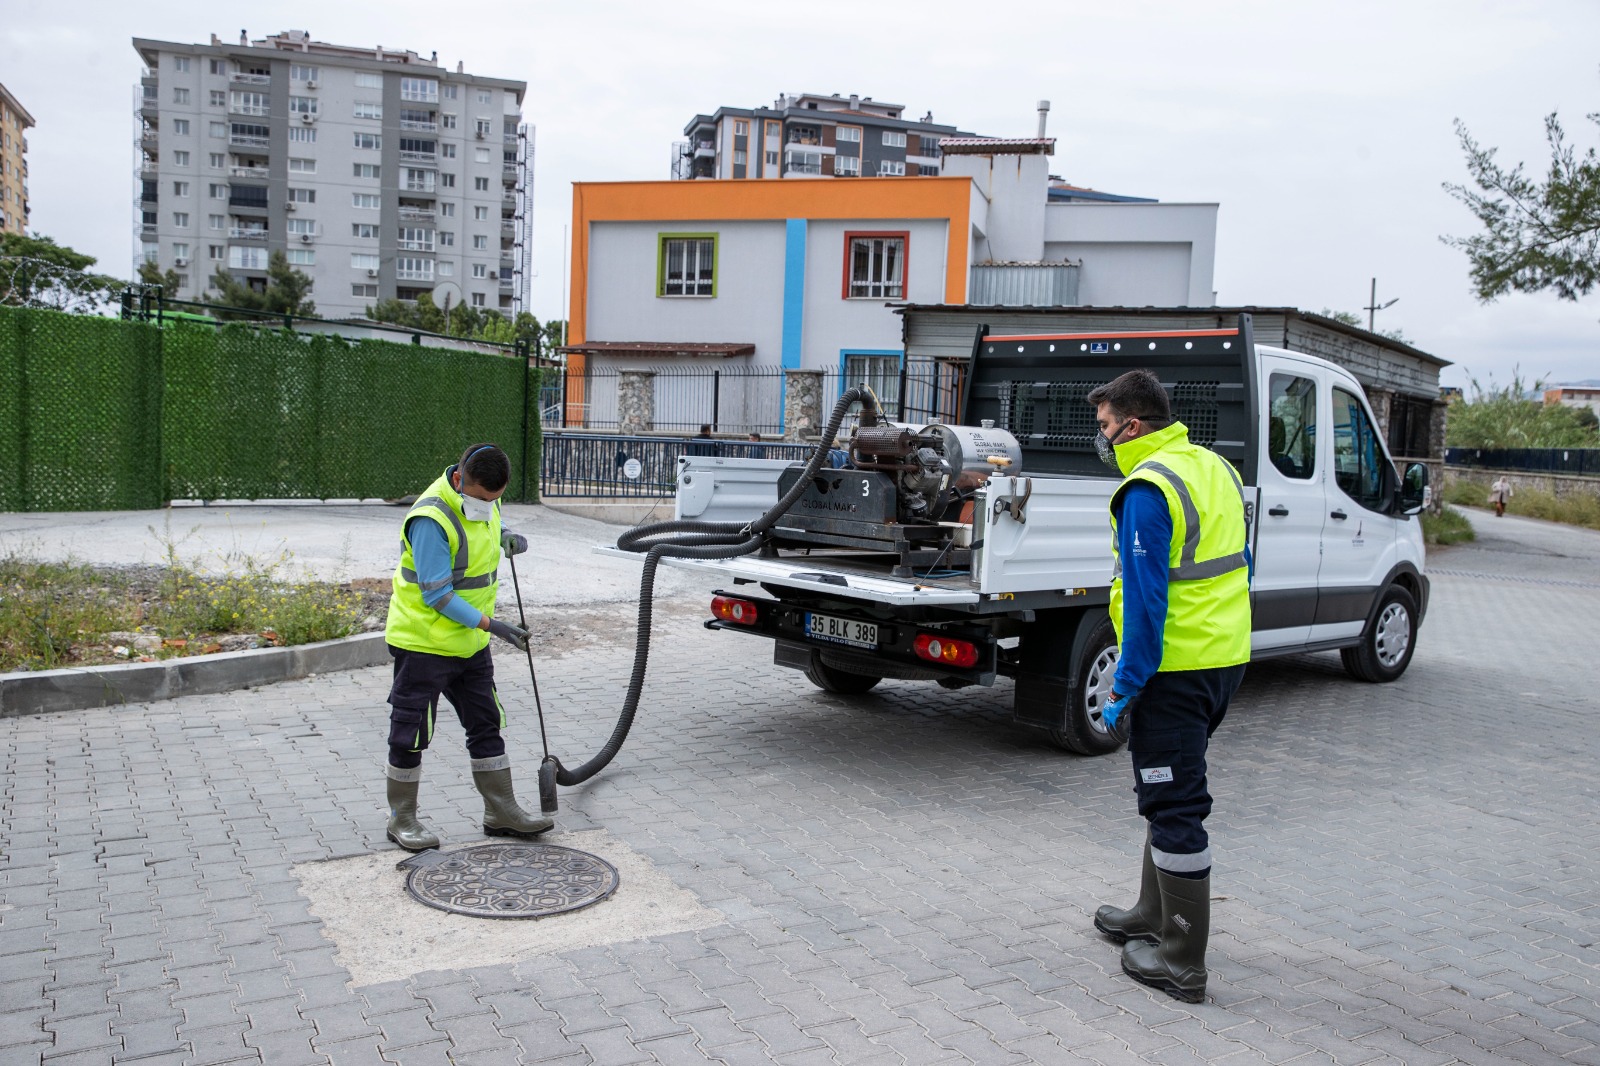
[687, 539]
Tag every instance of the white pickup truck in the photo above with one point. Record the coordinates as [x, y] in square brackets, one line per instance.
[959, 554]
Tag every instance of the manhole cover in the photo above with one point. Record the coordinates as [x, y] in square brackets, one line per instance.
[510, 880]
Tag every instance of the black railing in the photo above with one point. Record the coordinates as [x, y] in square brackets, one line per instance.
[1575, 462]
[637, 467]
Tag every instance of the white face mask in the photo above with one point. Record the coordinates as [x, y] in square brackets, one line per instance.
[476, 510]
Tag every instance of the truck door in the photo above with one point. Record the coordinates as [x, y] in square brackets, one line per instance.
[1288, 552]
[1358, 536]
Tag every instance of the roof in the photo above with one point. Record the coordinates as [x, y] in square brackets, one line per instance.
[1222, 314]
[11, 102]
[1061, 192]
[1001, 145]
[662, 348]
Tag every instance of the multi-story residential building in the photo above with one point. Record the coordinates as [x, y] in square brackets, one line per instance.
[811, 135]
[1582, 394]
[14, 122]
[378, 173]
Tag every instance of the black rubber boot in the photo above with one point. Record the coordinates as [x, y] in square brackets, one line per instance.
[1142, 921]
[404, 829]
[1177, 965]
[502, 816]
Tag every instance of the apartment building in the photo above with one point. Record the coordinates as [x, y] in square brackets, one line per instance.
[811, 135]
[377, 172]
[14, 123]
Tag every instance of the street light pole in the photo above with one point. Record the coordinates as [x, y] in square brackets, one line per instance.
[1373, 306]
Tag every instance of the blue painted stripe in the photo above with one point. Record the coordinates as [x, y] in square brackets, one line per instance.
[794, 290]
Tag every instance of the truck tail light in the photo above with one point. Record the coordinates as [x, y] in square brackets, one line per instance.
[739, 612]
[945, 650]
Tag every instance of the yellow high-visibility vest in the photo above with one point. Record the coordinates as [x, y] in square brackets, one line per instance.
[474, 576]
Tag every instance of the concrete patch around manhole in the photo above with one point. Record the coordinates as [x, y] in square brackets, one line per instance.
[381, 934]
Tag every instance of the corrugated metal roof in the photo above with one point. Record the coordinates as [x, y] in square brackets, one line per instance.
[1006, 145]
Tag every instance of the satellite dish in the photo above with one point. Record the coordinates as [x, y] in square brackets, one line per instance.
[446, 290]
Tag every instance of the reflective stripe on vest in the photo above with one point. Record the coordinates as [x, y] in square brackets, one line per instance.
[1187, 569]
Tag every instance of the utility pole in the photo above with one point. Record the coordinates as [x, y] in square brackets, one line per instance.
[1373, 306]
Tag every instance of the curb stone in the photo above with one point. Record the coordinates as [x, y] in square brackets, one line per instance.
[43, 691]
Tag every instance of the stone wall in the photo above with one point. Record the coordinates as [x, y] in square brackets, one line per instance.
[802, 404]
[1556, 484]
[636, 401]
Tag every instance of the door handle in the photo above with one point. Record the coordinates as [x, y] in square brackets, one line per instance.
[1279, 511]
[1340, 515]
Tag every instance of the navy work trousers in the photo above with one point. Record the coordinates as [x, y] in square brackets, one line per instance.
[1170, 725]
[420, 678]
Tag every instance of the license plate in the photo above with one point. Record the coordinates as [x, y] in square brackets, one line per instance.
[842, 630]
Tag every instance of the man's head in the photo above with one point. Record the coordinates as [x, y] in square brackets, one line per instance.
[755, 438]
[705, 429]
[1131, 406]
[483, 472]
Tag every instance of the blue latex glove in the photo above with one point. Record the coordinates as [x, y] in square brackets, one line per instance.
[1113, 712]
[512, 543]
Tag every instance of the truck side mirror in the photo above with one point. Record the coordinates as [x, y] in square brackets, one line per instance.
[1414, 494]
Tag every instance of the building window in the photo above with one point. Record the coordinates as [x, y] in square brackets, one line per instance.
[302, 166]
[480, 184]
[447, 210]
[417, 180]
[772, 159]
[303, 134]
[799, 162]
[302, 196]
[180, 159]
[686, 264]
[216, 222]
[447, 150]
[875, 266]
[216, 252]
[180, 189]
[363, 261]
[365, 201]
[416, 239]
[741, 128]
[447, 181]
[152, 252]
[180, 127]
[480, 213]
[217, 66]
[446, 269]
[929, 147]
[368, 80]
[216, 160]
[369, 292]
[424, 89]
[247, 103]
[302, 257]
[478, 300]
[891, 168]
[447, 239]
[447, 122]
[216, 129]
[774, 129]
[367, 170]
[367, 231]
[739, 157]
[302, 105]
[247, 257]
[891, 139]
[849, 135]
[480, 242]
[926, 170]
[218, 191]
[217, 97]
[301, 227]
[180, 250]
[297, 72]
[367, 140]
[180, 95]
[485, 98]
[180, 219]
[180, 64]
[479, 270]
[482, 127]
[480, 155]
[847, 164]
[367, 109]
[411, 268]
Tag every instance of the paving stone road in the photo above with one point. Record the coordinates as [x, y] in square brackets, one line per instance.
[1408, 873]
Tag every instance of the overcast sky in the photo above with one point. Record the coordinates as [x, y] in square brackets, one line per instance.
[1323, 130]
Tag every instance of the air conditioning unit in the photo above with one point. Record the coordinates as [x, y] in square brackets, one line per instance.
[372, 273]
[481, 135]
[311, 85]
[305, 238]
[307, 117]
[288, 205]
[180, 262]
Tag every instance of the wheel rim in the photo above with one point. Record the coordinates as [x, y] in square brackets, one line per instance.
[1392, 637]
[1097, 687]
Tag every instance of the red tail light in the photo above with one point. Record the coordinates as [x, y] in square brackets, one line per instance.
[945, 650]
[739, 612]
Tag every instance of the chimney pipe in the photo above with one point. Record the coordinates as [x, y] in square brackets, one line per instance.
[1044, 115]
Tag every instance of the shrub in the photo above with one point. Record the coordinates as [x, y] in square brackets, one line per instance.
[1466, 493]
[1578, 508]
[1449, 526]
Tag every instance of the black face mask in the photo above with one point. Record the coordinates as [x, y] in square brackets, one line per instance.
[1106, 446]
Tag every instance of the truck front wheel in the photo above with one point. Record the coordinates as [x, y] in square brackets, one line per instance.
[1085, 732]
[1386, 647]
[840, 682]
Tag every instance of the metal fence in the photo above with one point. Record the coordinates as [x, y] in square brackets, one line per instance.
[748, 399]
[637, 467]
[1576, 462]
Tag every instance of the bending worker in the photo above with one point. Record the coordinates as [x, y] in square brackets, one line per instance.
[441, 616]
[1180, 602]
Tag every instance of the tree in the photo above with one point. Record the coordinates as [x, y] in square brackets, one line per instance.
[35, 271]
[1537, 235]
[1505, 417]
[285, 292]
[152, 274]
[1350, 318]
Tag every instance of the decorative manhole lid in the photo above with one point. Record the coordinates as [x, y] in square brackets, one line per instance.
[509, 879]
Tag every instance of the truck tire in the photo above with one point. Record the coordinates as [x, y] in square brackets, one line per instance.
[839, 682]
[1390, 638]
[1084, 732]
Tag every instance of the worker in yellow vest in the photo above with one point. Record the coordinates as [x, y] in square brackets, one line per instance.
[441, 616]
[1180, 602]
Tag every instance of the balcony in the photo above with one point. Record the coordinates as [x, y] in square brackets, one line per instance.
[427, 188]
[248, 140]
[421, 96]
[508, 283]
[508, 197]
[705, 150]
[246, 233]
[258, 173]
[416, 246]
[508, 227]
[239, 77]
[418, 214]
[415, 275]
[419, 157]
[510, 170]
[803, 168]
[509, 138]
[148, 229]
[419, 126]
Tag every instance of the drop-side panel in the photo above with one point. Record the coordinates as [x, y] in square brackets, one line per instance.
[1063, 541]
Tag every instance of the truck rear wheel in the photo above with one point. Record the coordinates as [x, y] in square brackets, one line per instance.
[1085, 732]
[1386, 647]
[840, 682]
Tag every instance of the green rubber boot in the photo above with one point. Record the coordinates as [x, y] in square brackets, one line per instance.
[404, 829]
[502, 816]
[1177, 965]
[1142, 921]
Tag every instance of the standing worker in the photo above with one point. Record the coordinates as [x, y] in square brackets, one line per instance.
[1180, 602]
[441, 616]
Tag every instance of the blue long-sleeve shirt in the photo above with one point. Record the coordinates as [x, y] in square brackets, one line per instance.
[1144, 541]
[430, 556]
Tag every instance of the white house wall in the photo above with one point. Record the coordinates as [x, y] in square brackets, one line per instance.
[1137, 254]
[832, 323]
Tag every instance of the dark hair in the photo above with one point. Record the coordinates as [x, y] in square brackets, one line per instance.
[486, 465]
[1136, 394]
[705, 429]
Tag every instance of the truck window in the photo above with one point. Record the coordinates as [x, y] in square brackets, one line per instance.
[1292, 426]
[1357, 456]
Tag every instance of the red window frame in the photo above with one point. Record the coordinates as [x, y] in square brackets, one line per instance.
[851, 236]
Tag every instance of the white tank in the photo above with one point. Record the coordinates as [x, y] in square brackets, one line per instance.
[975, 452]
